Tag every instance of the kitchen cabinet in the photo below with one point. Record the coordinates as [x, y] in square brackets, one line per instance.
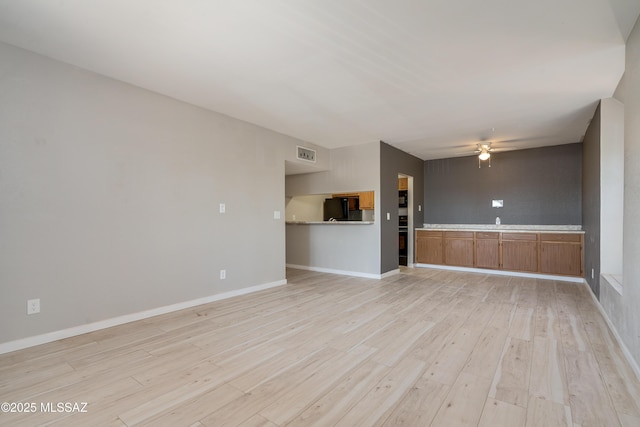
[487, 245]
[520, 252]
[458, 248]
[555, 253]
[403, 183]
[561, 254]
[345, 195]
[429, 247]
[367, 200]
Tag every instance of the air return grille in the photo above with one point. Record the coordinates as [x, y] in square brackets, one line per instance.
[306, 154]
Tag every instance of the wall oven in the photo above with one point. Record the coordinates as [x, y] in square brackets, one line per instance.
[403, 198]
[403, 235]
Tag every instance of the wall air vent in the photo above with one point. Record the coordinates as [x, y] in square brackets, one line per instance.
[306, 154]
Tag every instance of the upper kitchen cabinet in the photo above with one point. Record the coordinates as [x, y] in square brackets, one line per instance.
[367, 200]
[403, 183]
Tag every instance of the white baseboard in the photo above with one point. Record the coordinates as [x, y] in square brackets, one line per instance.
[390, 273]
[115, 321]
[503, 272]
[614, 331]
[343, 272]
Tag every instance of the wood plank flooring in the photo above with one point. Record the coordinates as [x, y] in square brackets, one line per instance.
[422, 348]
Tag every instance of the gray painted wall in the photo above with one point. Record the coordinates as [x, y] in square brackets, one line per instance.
[109, 198]
[392, 163]
[346, 248]
[623, 309]
[538, 186]
[591, 202]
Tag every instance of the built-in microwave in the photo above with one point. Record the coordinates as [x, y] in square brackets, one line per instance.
[403, 199]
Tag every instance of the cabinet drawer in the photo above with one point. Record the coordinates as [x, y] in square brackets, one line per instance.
[458, 234]
[559, 237]
[487, 235]
[428, 234]
[520, 236]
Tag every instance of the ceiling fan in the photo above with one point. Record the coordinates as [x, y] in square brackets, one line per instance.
[484, 151]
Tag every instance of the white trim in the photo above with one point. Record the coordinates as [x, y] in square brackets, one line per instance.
[504, 273]
[115, 321]
[390, 273]
[614, 331]
[613, 281]
[344, 272]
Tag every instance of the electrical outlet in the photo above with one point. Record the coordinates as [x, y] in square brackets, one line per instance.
[223, 208]
[276, 214]
[223, 274]
[33, 306]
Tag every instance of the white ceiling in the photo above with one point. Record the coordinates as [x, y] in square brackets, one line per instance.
[431, 77]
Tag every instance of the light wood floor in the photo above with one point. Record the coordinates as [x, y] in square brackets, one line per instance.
[423, 348]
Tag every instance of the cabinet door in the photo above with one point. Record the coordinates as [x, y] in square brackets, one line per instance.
[487, 252]
[459, 248]
[403, 183]
[429, 247]
[561, 254]
[520, 252]
[367, 200]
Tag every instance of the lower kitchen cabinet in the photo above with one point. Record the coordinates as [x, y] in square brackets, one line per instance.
[520, 252]
[532, 252]
[458, 248]
[487, 250]
[429, 247]
[561, 254]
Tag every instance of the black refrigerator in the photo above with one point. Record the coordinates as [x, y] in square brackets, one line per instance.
[336, 208]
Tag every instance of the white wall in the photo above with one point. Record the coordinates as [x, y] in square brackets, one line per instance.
[353, 248]
[109, 198]
[306, 208]
[611, 186]
[623, 309]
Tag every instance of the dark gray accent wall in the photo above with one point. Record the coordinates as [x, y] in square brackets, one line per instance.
[539, 186]
[591, 201]
[392, 163]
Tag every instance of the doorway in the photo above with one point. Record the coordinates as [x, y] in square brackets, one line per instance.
[405, 220]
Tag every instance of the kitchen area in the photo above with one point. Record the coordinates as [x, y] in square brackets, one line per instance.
[403, 221]
[333, 233]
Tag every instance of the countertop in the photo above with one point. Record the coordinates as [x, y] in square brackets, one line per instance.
[329, 222]
[505, 227]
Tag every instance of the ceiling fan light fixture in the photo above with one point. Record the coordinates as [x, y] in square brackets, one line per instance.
[484, 153]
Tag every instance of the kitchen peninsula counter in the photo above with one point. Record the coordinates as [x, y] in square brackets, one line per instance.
[330, 222]
[539, 249]
[505, 227]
